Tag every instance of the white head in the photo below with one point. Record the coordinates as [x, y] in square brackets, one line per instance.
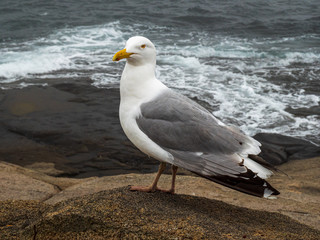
[138, 51]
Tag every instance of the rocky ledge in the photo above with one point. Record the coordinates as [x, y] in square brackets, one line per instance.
[34, 205]
[121, 214]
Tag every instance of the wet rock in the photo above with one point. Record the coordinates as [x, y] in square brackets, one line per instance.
[304, 112]
[67, 125]
[278, 149]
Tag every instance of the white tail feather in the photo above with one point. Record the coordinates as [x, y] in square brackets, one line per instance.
[261, 171]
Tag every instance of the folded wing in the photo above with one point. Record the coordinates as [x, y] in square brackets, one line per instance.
[202, 144]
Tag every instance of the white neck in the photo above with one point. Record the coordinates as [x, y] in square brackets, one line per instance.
[139, 84]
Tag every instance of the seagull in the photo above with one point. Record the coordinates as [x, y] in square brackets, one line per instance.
[175, 130]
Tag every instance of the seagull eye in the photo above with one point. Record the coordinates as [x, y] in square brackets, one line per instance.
[143, 46]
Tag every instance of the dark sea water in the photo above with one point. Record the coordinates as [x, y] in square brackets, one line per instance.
[257, 63]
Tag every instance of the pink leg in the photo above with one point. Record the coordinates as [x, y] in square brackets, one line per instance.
[173, 181]
[153, 186]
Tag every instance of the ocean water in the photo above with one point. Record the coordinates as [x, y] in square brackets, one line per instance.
[256, 63]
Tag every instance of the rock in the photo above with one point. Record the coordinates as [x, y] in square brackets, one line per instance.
[121, 214]
[278, 149]
[24, 188]
[8, 170]
[45, 167]
[299, 198]
[304, 112]
[17, 186]
[65, 127]
[103, 183]
[17, 215]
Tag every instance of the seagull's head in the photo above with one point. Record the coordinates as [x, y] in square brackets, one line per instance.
[138, 51]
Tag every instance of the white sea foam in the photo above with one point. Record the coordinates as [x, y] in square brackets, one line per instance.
[36, 62]
[82, 48]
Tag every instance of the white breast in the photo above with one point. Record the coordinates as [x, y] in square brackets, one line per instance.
[135, 92]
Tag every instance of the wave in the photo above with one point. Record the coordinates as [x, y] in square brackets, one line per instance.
[248, 82]
[81, 48]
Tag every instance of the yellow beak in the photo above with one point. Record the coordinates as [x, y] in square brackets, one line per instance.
[121, 54]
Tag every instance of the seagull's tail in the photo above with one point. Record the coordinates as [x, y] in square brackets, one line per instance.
[247, 182]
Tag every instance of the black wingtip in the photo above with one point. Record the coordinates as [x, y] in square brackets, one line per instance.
[248, 183]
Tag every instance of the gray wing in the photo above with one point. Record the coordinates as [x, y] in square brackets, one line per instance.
[196, 139]
[191, 133]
